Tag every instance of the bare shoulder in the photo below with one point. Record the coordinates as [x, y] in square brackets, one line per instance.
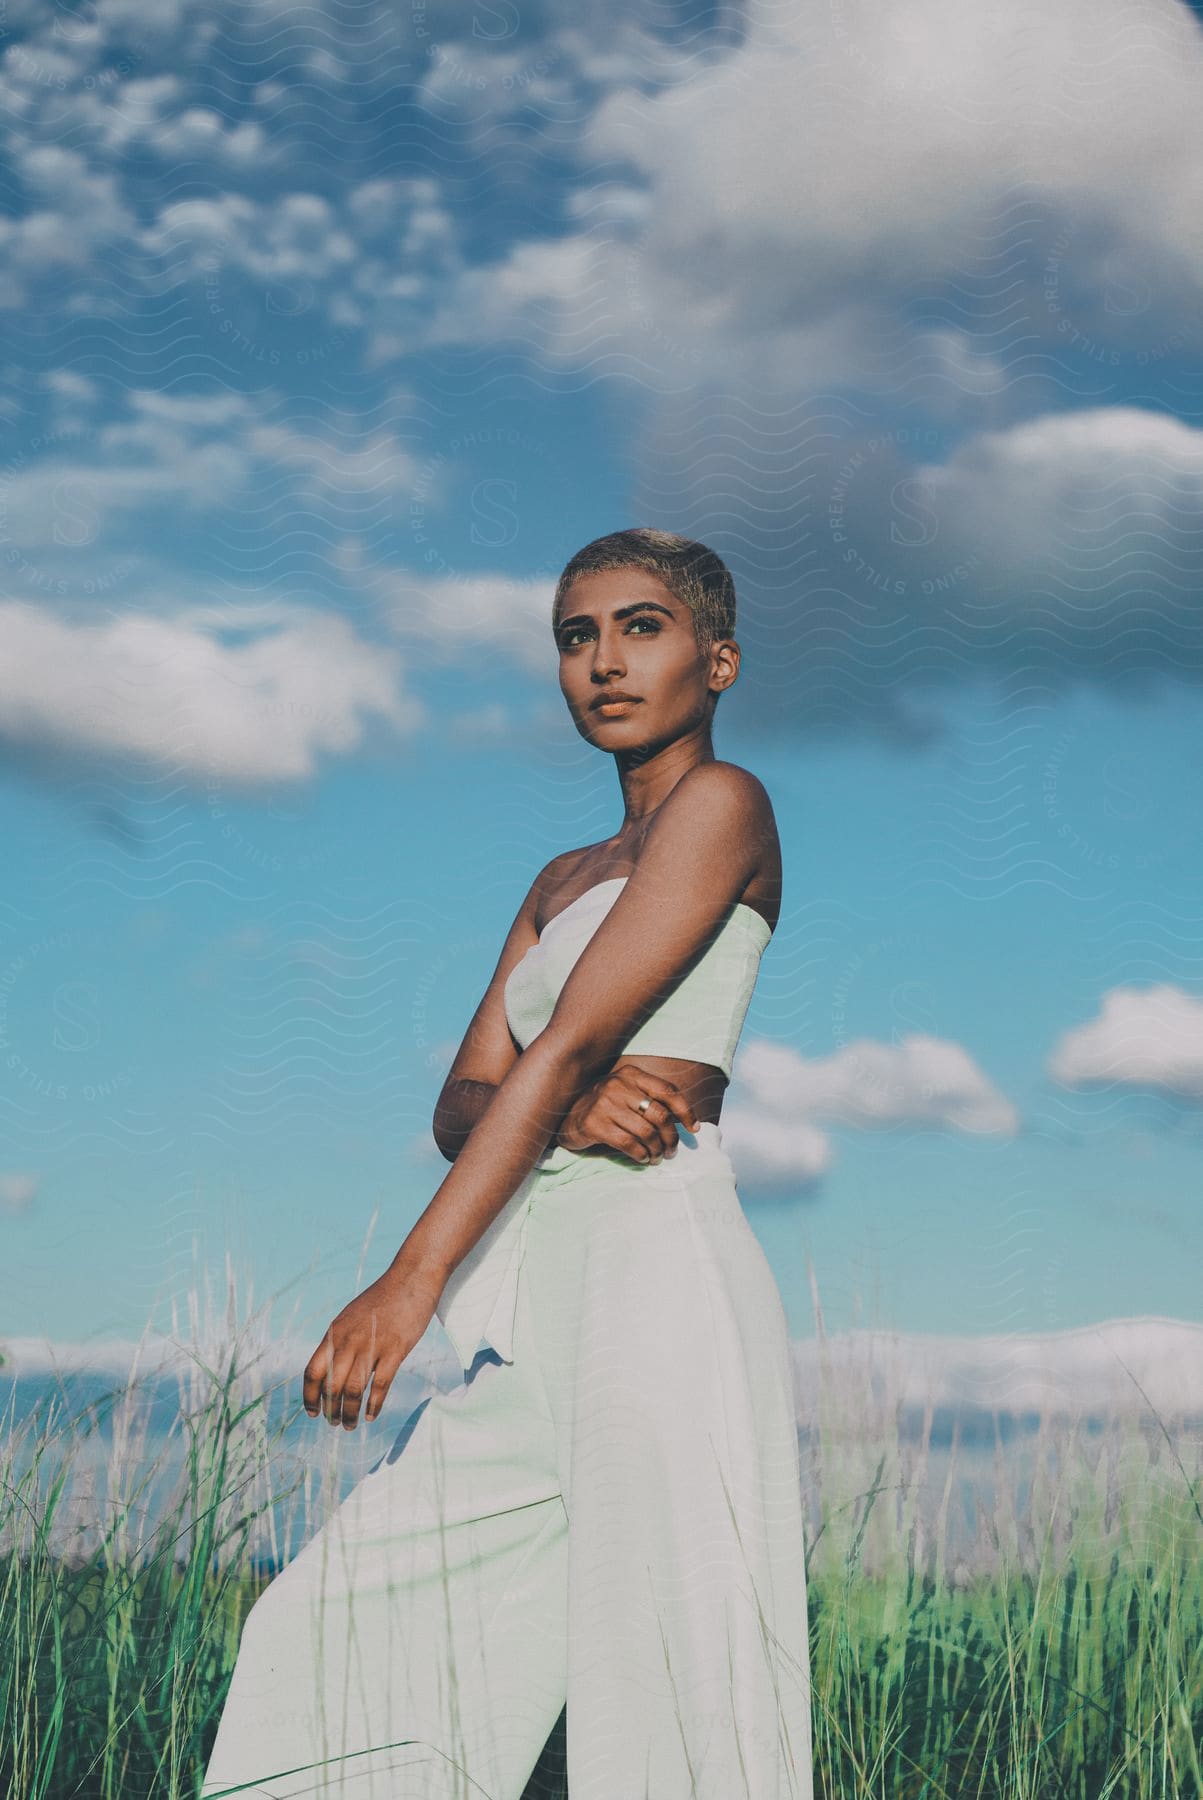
[727, 795]
[561, 869]
[727, 779]
[718, 805]
[724, 812]
[557, 877]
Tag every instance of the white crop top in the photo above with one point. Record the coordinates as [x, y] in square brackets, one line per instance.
[702, 1017]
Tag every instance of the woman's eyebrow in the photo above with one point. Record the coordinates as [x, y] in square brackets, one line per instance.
[622, 612]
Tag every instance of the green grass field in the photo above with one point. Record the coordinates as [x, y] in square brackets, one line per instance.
[1063, 1657]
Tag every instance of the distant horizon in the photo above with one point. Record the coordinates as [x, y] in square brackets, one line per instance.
[1008, 1375]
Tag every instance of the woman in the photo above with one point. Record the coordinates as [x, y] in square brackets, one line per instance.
[607, 1511]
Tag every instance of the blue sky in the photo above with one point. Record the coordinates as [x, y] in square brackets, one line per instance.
[330, 335]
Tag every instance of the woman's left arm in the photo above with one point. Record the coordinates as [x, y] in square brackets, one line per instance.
[701, 851]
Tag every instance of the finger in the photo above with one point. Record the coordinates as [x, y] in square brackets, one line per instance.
[656, 1125]
[629, 1144]
[613, 1134]
[664, 1125]
[667, 1092]
[317, 1376]
[336, 1381]
[382, 1381]
[678, 1106]
[644, 1116]
[626, 1127]
[354, 1389]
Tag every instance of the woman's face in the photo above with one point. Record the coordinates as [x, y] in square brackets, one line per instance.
[622, 631]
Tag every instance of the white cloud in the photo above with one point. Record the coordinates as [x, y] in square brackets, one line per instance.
[1074, 497]
[1093, 1370]
[148, 103]
[374, 463]
[773, 1149]
[200, 134]
[263, 1358]
[868, 1084]
[389, 206]
[167, 690]
[553, 294]
[451, 617]
[381, 255]
[197, 451]
[291, 237]
[150, 116]
[1060, 479]
[780, 1100]
[801, 188]
[755, 204]
[83, 214]
[67, 502]
[1149, 1036]
[1090, 1370]
[70, 385]
[206, 410]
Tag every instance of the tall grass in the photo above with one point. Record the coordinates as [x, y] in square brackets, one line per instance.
[1057, 1651]
[125, 1573]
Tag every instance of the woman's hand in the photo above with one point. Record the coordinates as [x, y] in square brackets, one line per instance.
[607, 1114]
[368, 1342]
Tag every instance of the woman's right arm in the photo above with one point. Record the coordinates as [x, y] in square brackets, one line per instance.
[488, 1051]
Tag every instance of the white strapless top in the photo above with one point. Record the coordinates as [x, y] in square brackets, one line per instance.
[700, 1020]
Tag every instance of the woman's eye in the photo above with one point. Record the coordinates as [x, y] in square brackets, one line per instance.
[574, 631]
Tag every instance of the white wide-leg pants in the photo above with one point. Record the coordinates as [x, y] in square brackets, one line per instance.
[606, 1513]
